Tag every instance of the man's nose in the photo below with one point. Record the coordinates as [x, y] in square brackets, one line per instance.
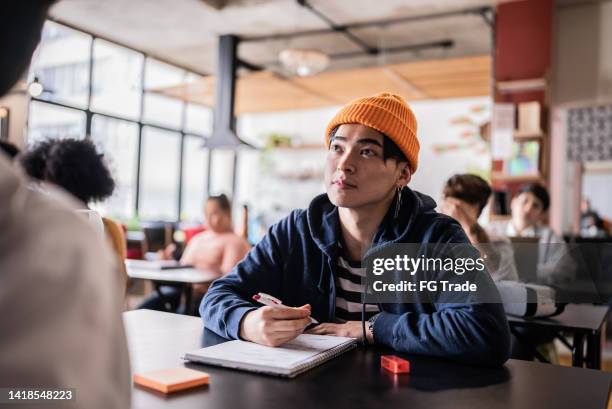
[346, 163]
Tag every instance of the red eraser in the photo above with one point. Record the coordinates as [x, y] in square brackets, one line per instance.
[395, 364]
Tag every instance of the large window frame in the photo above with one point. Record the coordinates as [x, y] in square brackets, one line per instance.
[140, 121]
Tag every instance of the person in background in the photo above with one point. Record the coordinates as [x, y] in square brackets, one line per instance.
[61, 323]
[313, 257]
[9, 149]
[216, 249]
[464, 198]
[75, 166]
[591, 223]
[528, 210]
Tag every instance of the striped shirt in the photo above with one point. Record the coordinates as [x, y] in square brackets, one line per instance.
[350, 286]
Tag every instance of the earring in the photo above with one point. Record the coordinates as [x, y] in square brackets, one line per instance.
[398, 201]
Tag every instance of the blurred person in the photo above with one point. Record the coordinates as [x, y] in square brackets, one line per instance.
[61, 324]
[464, 198]
[9, 149]
[528, 210]
[216, 249]
[76, 166]
[591, 223]
[312, 258]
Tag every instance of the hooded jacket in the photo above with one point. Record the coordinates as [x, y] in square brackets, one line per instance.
[296, 262]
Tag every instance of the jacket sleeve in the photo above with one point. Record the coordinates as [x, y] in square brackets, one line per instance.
[228, 299]
[473, 332]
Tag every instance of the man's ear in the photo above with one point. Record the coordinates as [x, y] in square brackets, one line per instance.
[405, 174]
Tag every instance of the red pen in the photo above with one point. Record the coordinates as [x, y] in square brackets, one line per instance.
[267, 299]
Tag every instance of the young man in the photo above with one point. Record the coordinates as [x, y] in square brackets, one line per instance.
[309, 257]
[464, 198]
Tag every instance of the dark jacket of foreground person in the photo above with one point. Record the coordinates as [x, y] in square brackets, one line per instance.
[295, 262]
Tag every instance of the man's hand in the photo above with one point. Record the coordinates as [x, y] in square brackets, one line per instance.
[274, 325]
[350, 329]
[455, 208]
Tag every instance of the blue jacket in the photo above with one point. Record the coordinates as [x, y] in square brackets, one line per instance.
[295, 262]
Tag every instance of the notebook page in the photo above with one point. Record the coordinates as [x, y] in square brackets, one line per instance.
[287, 356]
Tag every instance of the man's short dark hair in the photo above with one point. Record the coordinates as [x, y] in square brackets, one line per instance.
[21, 23]
[10, 149]
[72, 164]
[390, 148]
[469, 188]
[223, 202]
[538, 191]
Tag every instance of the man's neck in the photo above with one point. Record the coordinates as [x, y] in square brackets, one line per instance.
[359, 225]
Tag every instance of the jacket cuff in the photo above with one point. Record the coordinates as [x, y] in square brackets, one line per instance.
[234, 318]
[383, 328]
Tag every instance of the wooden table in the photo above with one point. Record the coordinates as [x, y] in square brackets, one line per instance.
[354, 380]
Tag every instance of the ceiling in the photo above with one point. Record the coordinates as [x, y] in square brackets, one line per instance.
[185, 31]
[265, 91]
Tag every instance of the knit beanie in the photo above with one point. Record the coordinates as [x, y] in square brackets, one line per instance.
[388, 114]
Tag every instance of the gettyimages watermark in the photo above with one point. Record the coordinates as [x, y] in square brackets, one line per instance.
[464, 273]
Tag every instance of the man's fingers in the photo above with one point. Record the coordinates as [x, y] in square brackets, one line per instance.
[322, 329]
[286, 313]
[290, 325]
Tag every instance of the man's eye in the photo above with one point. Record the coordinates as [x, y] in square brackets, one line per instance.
[368, 152]
[335, 148]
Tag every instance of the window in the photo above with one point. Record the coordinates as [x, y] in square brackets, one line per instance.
[195, 162]
[129, 99]
[117, 80]
[46, 121]
[118, 140]
[61, 64]
[159, 174]
[159, 107]
[199, 119]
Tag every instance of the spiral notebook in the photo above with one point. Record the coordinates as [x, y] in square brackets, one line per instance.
[289, 360]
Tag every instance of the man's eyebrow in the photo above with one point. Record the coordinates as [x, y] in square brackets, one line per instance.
[363, 141]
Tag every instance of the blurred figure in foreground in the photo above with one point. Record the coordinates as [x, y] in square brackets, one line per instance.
[61, 326]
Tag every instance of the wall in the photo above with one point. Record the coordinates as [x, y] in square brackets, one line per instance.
[582, 73]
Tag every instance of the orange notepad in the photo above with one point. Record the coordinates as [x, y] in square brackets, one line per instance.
[171, 379]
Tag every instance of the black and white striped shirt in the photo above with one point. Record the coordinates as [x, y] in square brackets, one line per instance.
[350, 285]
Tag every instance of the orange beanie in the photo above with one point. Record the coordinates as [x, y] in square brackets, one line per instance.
[388, 114]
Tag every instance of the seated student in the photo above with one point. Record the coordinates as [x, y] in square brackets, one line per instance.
[528, 208]
[61, 321]
[217, 249]
[464, 198]
[76, 166]
[308, 258]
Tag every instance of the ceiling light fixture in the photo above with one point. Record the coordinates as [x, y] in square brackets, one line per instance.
[303, 61]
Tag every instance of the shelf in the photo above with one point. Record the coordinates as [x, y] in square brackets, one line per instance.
[516, 86]
[502, 177]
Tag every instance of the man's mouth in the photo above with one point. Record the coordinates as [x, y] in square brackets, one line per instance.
[344, 184]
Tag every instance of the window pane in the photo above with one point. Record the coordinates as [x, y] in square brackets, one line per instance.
[61, 64]
[159, 174]
[46, 121]
[118, 140]
[117, 75]
[199, 119]
[162, 109]
[195, 161]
